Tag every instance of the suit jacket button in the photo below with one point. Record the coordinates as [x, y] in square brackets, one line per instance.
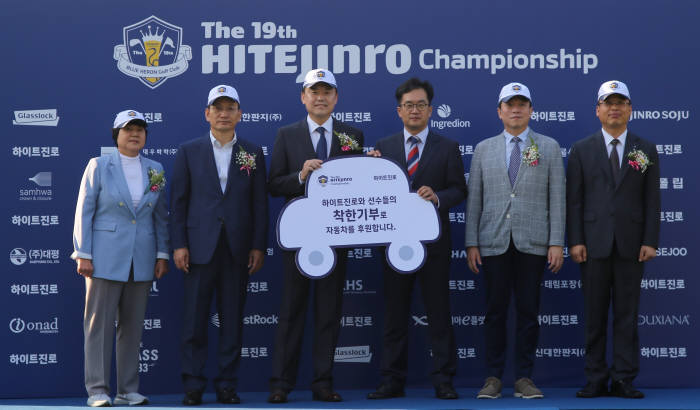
[512, 195]
[507, 216]
[149, 204]
[121, 204]
[133, 221]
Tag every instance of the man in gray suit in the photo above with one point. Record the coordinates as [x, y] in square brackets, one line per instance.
[515, 226]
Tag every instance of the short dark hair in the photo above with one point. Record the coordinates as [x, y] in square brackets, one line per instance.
[115, 131]
[414, 84]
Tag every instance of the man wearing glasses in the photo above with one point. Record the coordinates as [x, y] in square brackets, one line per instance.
[218, 222]
[515, 226]
[613, 205]
[436, 172]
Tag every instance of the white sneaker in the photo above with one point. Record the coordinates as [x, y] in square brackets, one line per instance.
[99, 400]
[132, 399]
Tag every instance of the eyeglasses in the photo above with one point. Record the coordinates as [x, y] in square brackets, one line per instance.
[617, 103]
[421, 106]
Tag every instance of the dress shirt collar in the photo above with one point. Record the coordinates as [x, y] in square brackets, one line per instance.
[423, 135]
[522, 135]
[327, 125]
[217, 144]
[622, 138]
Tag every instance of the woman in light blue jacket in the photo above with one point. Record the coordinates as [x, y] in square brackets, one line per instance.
[121, 243]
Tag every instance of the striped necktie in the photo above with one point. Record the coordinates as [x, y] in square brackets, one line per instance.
[514, 165]
[412, 159]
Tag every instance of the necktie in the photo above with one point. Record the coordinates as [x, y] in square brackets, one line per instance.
[412, 159]
[615, 160]
[514, 165]
[322, 146]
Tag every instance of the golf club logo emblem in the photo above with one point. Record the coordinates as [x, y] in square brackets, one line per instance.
[152, 51]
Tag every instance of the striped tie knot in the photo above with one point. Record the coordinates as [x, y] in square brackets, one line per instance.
[412, 159]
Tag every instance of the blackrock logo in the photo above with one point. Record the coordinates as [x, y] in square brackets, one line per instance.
[18, 325]
[45, 118]
[152, 51]
[18, 256]
[353, 354]
[260, 320]
[39, 192]
[444, 111]
[664, 320]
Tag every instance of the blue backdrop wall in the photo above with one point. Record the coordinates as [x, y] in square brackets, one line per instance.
[70, 66]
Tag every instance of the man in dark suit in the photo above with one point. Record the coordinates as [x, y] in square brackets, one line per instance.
[299, 149]
[613, 205]
[435, 170]
[218, 221]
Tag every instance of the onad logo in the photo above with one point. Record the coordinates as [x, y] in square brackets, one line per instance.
[420, 320]
[323, 180]
[353, 354]
[444, 111]
[18, 256]
[152, 51]
[17, 325]
[45, 118]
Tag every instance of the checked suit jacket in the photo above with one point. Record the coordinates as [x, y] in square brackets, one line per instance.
[532, 212]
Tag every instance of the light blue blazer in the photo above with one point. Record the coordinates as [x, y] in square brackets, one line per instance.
[110, 231]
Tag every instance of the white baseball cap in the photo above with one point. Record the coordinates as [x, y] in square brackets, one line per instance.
[319, 75]
[613, 87]
[223, 90]
[126, 117]
[514, 89]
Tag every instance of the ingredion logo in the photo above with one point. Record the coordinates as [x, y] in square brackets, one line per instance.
[444, 111]
[46, 118]
[152, 51]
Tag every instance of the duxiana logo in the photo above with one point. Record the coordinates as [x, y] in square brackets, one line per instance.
[353, 354]
[18, 256]
[46, 118]
[152, 51]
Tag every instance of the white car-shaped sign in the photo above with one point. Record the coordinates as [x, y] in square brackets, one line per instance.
[356, 201]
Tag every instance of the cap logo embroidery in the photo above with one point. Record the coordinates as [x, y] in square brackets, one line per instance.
[131, 114]
[320, 74]
[516, 88]
[613, 85]
[221, 90]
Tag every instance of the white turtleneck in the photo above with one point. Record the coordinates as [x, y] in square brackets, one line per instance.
[131, 166]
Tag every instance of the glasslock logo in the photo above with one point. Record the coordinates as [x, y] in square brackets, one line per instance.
[45, 118]
[353, 354]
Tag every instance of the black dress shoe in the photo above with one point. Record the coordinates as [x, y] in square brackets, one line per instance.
[192, 398]
[326, 395]
[591, 390]
[227, 396]
[621, 388]
[386, 391]
[277, 396]
[445, 391]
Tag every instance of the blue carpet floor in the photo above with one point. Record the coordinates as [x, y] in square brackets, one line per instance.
[556, 399]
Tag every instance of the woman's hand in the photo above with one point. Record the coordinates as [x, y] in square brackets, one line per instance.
[85, 267]
[161, 268]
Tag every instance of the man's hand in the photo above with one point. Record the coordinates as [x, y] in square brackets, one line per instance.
[255, 260]
[85, 267]
[578, 253]
[555, 257]
[474, 258]
[309, 166]
[427, 193]
[646, 253]
[181, 257]
[374, 153]
[161, 268]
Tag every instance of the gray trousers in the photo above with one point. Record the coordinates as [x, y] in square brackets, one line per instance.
[105, 302]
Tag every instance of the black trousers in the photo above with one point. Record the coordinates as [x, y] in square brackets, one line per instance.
[327, 308]
[519, 274]
[433, 278]
[227, 276]
[618, 279]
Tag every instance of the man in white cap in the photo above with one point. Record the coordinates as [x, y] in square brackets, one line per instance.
[218, 221]
[613, 205]
[299, 149]
[514, 228]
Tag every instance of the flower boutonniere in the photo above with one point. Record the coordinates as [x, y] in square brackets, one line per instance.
[347, 143]
[245, 160]
[156, 180]
[638, 160]
[531, 155]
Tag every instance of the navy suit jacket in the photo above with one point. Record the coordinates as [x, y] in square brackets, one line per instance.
[598, 211]
[440, 167]
[293, 147]
[199, 209]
